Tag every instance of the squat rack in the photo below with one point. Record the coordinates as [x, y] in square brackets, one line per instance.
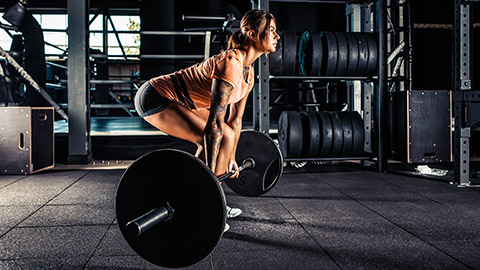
[378, 90]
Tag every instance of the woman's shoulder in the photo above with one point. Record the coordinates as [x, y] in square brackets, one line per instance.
[231, 54]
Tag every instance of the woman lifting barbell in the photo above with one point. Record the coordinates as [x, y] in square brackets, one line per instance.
[191, 104]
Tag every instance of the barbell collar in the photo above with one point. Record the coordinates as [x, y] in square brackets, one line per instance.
[148, 220]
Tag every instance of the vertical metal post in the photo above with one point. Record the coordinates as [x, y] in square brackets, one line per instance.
[462, 82]
[367, 87]
[262, 95]
[79, 149]
[208, 41]
[382, 101]
[105, 32]
[354, 20]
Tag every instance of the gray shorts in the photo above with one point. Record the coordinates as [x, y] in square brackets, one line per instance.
[148, 101]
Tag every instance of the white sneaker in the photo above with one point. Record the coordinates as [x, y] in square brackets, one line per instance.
[226, 227]
[233, 212]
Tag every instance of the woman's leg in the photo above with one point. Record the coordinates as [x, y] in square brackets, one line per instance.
[180, 122]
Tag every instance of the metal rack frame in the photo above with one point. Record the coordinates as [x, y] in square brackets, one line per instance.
[463, 95]
[261, 92]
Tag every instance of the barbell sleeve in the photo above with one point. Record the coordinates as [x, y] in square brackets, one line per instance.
[146, 221]
[247, 163]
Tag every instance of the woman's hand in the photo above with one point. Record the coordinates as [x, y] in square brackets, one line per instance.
[233, 166]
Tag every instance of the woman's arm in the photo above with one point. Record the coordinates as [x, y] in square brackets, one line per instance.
[235, 120]
[213, 133]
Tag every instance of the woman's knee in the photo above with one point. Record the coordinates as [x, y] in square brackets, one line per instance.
[228, 135]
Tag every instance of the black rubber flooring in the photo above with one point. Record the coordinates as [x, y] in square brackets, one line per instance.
[326, 217]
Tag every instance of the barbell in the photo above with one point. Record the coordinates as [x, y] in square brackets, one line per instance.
[171, 208]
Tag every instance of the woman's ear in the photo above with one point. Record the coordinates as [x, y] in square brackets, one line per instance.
[252, 35]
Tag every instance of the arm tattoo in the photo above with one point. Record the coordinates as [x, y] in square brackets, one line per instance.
[214, 129]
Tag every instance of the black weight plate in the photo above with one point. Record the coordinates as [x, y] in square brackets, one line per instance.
[342, 61]
[337, 134]
[347, 134]
[289, 52]
[326, 133]
[305, 54]
[268, 164]
[352, 54]
[314, 134]
[317, 54]
[290, 136]
[358, 134]
[362, 54]
[329, 64]
[276, 61]
[372, 53]
[187, 184]
[305, 133]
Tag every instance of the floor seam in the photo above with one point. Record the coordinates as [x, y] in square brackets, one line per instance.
[99, 242]
[395, 224]
[14, 182]
[308, 233]
[421, 196]
[13, 227]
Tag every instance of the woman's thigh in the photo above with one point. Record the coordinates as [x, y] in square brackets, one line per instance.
[180, 122]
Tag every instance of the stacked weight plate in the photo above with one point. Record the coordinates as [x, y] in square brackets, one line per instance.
[337, 54]
[284, 60]
[321, 134]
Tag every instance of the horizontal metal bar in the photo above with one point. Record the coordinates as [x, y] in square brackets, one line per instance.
[104, 106]
[145, 32]
[56, 65]
[203, 18]
[114, 81]
[151, 56]
[112, 106]
[324, 159]
[321, 1]
[322, 77]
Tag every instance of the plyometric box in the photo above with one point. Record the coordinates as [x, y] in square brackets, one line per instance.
[422, 126]
[26, 139]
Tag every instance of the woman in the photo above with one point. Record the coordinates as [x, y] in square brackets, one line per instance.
[191, 104]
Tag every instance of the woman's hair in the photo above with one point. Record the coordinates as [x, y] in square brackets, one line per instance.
[256, 20]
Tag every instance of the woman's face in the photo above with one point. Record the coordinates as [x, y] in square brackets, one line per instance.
[273, 38]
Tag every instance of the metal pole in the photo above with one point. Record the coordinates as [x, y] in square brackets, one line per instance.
[382, 113]
[79, 144]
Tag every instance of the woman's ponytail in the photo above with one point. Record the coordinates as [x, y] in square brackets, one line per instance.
[236, 40]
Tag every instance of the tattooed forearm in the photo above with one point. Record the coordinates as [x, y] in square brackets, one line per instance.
[214, 129]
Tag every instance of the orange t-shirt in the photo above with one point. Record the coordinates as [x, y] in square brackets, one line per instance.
[226, 66]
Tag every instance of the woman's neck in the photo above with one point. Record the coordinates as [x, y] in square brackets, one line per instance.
[249, 54]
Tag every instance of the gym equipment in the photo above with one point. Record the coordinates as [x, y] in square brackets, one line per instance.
[358, 134]
[317, 54]
[171, 208]
[268, 164]
[276, 60]
[311, 134]
[372, 53]
[290, 138]
[305, 54]
[289, 49]
[337, 134]
[326, 132]
[352, 53]
[321, 134]
[329, 64]
[347, 134]
[362, 54]
[342, 54]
